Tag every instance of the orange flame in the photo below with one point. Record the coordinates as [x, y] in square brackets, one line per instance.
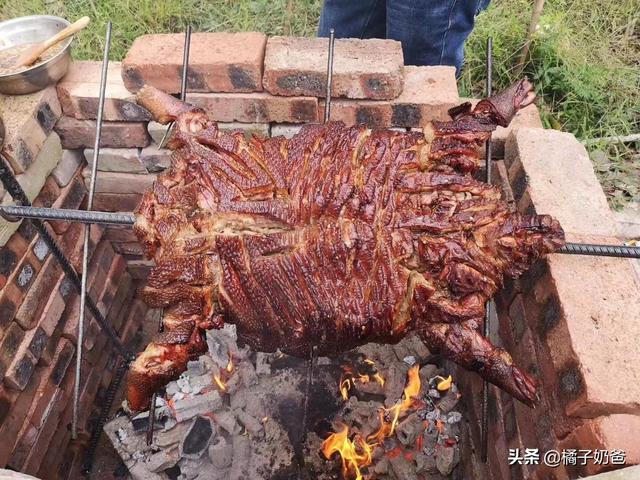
[411, 391]
[220, 383]
[355, 454]
[230, 364]
[349, 377]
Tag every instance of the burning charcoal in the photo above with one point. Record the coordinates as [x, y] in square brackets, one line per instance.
[253, 426]
[446, 459]
[227, 421]
[170, 437]
[263, 366]
[448, 401]
[162, 460]
[409, 360]
[220, 453]
[190, 468]
[188, 408]
[409, 430]
[394, 386]
[427, 373]
[241, 458]
[238, 400]
[183, 383]
[403, 468]
[433, 393]
[178, 396]
[139, 472]
[196, 368]
[454, 417]
[247, 373]
[425, 463]
[201, 382]
[197, 438]
[382, 466]
[255, 406]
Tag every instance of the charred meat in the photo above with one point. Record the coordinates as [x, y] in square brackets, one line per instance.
[334, 238]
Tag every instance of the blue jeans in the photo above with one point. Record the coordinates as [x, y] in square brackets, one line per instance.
[432, 32]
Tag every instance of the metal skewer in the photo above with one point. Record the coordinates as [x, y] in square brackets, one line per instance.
[488, 307]
[87, 232]
[14, 213]
[183, 84]
[183, 96]
[327, 103]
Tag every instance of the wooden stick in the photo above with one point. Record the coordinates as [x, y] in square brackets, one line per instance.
[535, 18]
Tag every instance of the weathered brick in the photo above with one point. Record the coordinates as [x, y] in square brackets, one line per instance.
[33, 179]
[120, 233]
[596, 332]
[129, 248]
[9, 346]
[48, 194]
[120, 183]
[34, 301]
[139, 269]
[218, 62]
[116, 202]
[369, 68]
[256, 107]
[155, 159]
[21, 368]
[67, 166]
[63, 356]
[28, 119]
[79, 92]
[612, 432]
[249, 129]
[10, 255]
[126, 160]
[76, 133]
[428, 94]
[71, 198]
[557, 174]
[53, 308]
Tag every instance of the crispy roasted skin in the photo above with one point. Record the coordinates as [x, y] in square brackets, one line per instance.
[337, 237]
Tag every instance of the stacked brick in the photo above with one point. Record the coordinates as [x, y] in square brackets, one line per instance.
[571, 321]
[39, 306]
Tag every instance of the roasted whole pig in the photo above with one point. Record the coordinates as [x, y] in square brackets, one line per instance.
[334, 238]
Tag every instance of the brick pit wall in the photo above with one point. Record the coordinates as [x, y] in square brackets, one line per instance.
[570, 321]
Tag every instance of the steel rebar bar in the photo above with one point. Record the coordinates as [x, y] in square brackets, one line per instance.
[488, 309]
[327, 103]
[87, 232]
[15, 212]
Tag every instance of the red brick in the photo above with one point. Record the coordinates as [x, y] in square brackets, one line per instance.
[10, 297]
[53, 309]
[21, 368]
[9, 346]
[34, 301]
[120, 234]
[596, 332]
[11, 253]
[116, 202]
[121, 183]
[428, 94]
[139, 269]
[76, 133]
[49, 193]
[538, 163]
[369, 68]
[613, 432]
[218, 62]
[128, 248]
[62, 359]
[71, 197]
[79, 92]
[256, 107]
[27, 120]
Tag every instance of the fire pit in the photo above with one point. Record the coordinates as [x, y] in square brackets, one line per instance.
[380, 411]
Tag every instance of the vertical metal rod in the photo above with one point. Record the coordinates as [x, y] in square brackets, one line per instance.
[487, 315]
[87, 232]
[183, 96]
[183, 84]
[327, 103]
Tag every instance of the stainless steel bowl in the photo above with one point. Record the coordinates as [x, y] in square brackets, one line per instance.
[33, 29]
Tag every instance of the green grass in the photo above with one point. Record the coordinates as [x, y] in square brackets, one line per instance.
[584, 61]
